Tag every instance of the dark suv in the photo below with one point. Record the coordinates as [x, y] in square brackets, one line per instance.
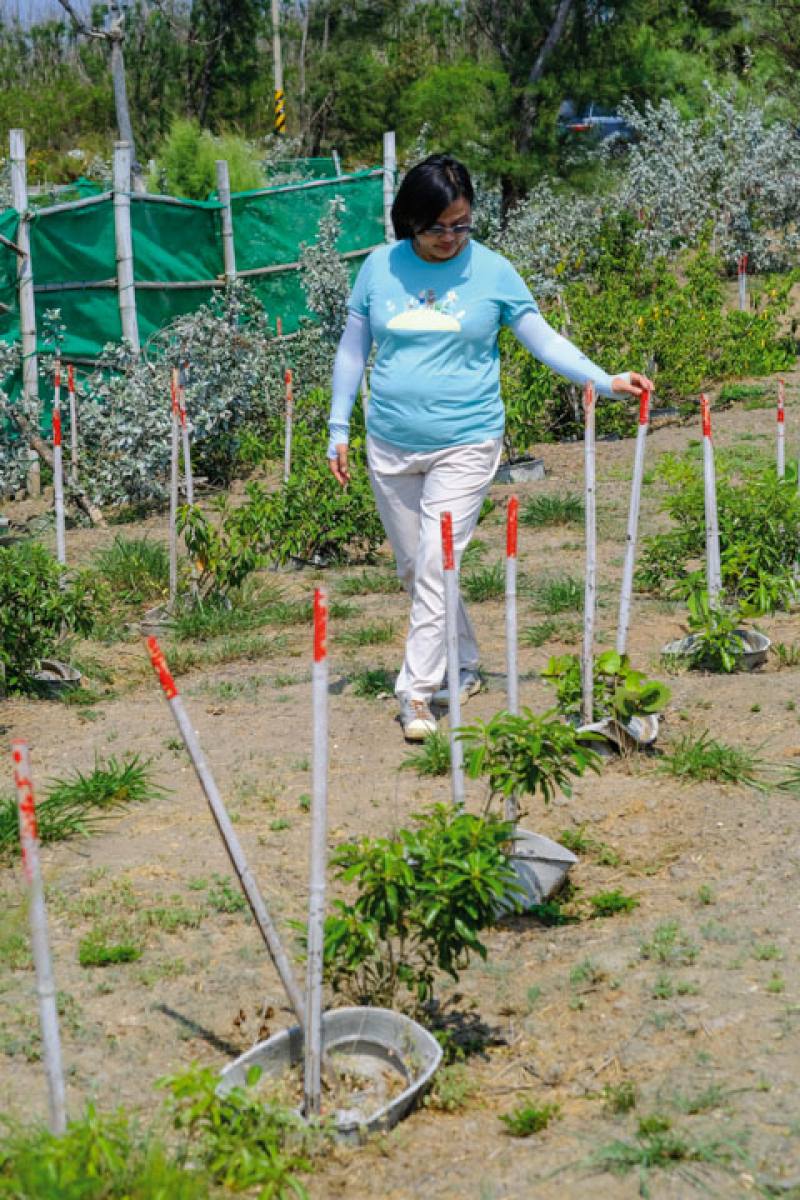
[592, 122]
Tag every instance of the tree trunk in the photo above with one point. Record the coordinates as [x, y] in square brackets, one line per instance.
[530, 101]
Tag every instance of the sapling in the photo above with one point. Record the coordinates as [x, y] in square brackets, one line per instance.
[526, 754]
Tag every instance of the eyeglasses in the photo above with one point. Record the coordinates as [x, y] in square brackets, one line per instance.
[440, 230]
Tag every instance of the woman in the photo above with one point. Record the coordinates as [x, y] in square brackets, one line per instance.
[434, 302]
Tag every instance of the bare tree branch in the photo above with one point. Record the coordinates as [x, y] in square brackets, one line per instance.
[80, 24]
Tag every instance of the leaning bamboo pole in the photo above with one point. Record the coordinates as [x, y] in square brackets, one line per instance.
[590, 587]
[226, 831]
[40, 940]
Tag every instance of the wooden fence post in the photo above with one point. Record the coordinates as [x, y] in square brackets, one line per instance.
[224, 194]
[126, 289]
[27, 309]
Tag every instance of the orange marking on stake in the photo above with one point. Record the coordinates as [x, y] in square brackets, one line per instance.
[705, 413]
[644, 408]
[320, 625]
[512, 527]
[448, 554]
[588, 394]
[70, 377]
[56, 426]
[162, 670]
[287, 379]
[173, 387]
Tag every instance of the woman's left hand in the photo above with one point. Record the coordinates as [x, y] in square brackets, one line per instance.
[632, 384]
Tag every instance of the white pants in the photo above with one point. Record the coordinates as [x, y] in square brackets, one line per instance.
[412, 490]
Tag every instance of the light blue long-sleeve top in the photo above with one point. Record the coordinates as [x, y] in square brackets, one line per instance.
[436, 378]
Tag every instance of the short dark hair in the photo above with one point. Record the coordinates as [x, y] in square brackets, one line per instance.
[427, 190]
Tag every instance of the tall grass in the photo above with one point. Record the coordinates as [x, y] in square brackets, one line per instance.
[552, 510]
[136, 569]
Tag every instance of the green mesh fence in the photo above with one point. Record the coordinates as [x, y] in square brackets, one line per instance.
[74, 257]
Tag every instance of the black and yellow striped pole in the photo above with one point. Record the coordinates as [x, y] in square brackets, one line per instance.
[280, 99]
[280, 111]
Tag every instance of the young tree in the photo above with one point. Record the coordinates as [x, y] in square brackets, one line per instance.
[113, 35]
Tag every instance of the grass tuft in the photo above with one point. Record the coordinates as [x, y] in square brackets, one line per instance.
[369, 635]
[484, 583]
[529, 1118]
[368, 583]
[561, 593]
[609, 904]
[670, 945]
[370, 684]
[703, 759]
[99, 949]
[552, 510]
[78, 804]
[433, 757]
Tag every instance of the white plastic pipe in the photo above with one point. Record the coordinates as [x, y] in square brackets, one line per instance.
[226, 831]
[590, 587]
[288, 422]
[40, 940]
[389, 171]
[512, 665]
[173, 491]
[58, 469]
[73, 426]
[742, 270]
[453, 664]
[318, 859]
[781, 422]
[626, 592]
[713, 564]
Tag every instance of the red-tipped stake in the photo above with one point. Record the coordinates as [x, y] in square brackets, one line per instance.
[58, 469]
[173, 490]
[453, 664]
[73, 426]
[742, 271]
[713, 567]
[318, 855]
[40, 941]
[512, 669]
[289, 414]
[188, 478]
[226, 831]
[626, 592]
[590, 588]
[781, 443]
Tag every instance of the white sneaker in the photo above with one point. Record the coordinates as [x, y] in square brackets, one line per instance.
[471, 684]
[417, 720]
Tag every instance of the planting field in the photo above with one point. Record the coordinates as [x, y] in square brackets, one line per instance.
[658, 1041]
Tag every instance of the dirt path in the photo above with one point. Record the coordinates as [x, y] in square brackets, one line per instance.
[708, 1038]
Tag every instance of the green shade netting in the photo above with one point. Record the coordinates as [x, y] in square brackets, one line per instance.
[180, 243]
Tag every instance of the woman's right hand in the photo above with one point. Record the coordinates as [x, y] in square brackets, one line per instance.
[339, 465]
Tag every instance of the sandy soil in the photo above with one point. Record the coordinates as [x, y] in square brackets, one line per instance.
[573, 1010]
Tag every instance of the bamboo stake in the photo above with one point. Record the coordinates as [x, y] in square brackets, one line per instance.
[40, 941]
[124, 244]
[318, 855]
[173, 494]
[27, 309]
[188, 477]
[781, 444]
[228, 247]
[590, 589]
[58, 469]
[742, 271]
[626, 592]
[287, 444]
[389, 171]
[453, 664]
[512, 666]
[713, 567]
[73, 426]
[226, 831]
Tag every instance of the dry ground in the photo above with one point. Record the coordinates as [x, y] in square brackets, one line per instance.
[575, 1010]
